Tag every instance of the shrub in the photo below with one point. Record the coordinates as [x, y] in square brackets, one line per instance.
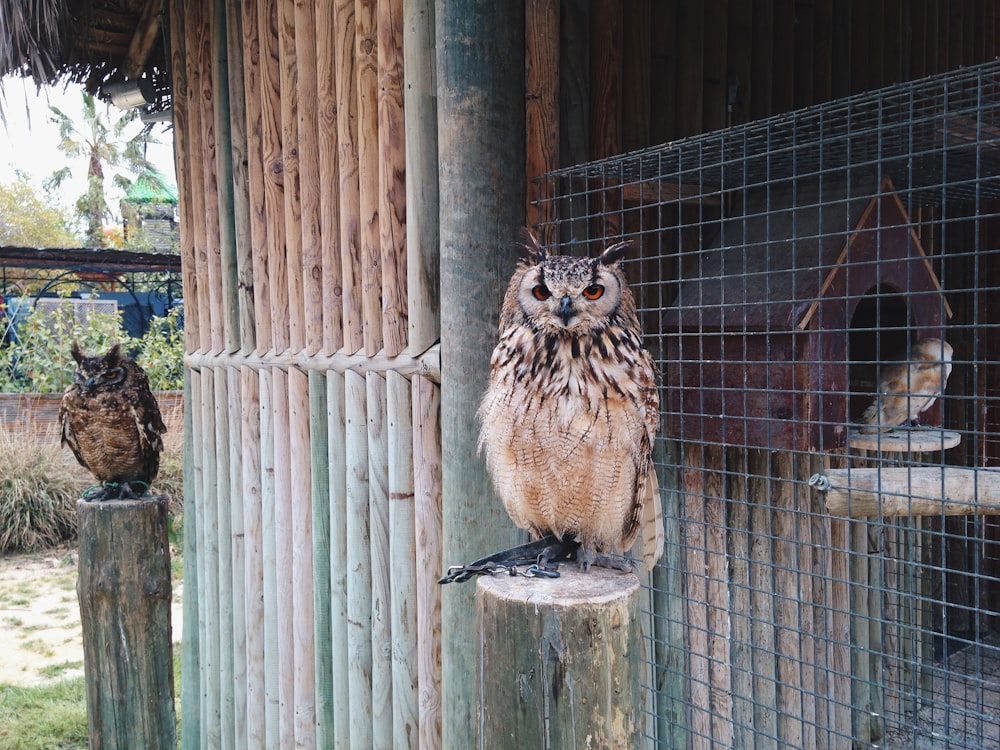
[38, 361]
[39, 486]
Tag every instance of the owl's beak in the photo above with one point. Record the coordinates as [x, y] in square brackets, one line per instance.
[565, 309]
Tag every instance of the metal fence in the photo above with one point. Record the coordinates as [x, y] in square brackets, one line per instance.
[826, 584]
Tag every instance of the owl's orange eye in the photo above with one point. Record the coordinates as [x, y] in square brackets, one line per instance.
[594, 291]
[541, 292]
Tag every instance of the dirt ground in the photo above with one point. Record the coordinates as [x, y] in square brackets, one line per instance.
[40, 636]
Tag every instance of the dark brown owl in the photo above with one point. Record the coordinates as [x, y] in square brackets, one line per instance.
[111, 421]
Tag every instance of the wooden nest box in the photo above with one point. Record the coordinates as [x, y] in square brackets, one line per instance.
[779, 327]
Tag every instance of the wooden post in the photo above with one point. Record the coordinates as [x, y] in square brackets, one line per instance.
[480, 125]
[559, 661]
[124, 590]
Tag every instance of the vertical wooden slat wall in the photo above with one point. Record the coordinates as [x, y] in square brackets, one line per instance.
[314, 502]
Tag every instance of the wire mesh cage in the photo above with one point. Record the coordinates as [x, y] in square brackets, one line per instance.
[820, 291]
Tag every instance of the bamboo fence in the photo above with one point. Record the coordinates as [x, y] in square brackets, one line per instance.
[313, 531]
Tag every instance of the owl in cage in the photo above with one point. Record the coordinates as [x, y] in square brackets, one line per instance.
[908, 388]
[109, 418]
[571, 410]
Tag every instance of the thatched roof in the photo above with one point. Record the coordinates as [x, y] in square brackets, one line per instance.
[83, 41]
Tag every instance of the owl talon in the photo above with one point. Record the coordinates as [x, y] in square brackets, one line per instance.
[586, 557]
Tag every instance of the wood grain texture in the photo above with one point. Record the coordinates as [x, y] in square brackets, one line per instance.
[124, 593]
[329, 184]
[541, 98]
[559, 661]
[392, 176]
[294, 294]
[347, 158]
[310, 176]
[427, 527]
[366, 45]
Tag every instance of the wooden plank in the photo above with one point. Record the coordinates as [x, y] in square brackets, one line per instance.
[190, 647]
[269, 589]
[381, 589]
[700, 708]
[402, 565]
[804, 54]
[223, 614]
[197, 316]
[366, 30]
[427, 528]
[716, 66]
[391, 176]
[226, 292]
[208, 564]
[717, 589]
[822, 50]
[238, 128]
[309, 175]
[273, 172]
[786, 604]
[212, 302]
[182, 168]
[359, 565]
[261, 292]
[301, 569]
[323, 626]
[762, 61]
[252, 444]
[541, 99]
[762, 624]
[347, 161]
[284, 558]
[605, 108]
[691, 70]
[574, 109]
[419, 104]
[237, 545]
[740, 57]
[329, 187]
[740, 598]
[605, 78]
[290, 256]
[337, 457]
[783, 59]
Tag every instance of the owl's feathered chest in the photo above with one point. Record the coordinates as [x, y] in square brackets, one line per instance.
[579, 371]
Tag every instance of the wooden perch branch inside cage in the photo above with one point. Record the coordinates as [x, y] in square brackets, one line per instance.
[910, 491]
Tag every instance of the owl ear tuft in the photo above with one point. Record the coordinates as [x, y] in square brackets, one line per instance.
[531, 252]
[76, 351]
[614, 253]
[113, 353]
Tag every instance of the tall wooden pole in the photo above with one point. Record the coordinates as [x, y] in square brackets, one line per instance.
[124, 590]
[480, 69]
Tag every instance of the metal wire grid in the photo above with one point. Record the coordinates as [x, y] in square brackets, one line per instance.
[783, 267]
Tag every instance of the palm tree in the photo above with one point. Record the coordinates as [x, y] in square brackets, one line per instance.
[103, 144]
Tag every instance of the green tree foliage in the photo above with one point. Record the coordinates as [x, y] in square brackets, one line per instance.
[29, 219]
[38, 360]
[100, 141]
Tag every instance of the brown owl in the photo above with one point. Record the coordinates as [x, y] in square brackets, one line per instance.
[908, 388]
[571, 411]
[111, 421]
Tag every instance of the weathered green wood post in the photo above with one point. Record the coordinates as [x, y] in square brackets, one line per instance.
[559, 661]
[480, 116]
[124, 591]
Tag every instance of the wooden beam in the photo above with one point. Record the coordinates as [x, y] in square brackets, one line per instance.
[147, 32]
[910, 491]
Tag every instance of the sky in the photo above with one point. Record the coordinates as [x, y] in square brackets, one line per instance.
[29, 142]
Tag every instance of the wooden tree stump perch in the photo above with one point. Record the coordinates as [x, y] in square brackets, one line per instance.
[124, 593]
[559, 661]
